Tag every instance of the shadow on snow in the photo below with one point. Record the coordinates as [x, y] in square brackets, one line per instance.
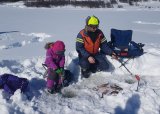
[7, 32]
[132, 106]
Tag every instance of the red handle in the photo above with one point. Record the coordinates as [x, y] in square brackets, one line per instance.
[137, 77]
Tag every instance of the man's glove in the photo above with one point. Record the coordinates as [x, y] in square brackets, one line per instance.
[114, 56]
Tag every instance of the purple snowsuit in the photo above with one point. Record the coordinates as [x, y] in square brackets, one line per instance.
[54, 61]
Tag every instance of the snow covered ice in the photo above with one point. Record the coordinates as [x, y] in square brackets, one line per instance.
[23, 34]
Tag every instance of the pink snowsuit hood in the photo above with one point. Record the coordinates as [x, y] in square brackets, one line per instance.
[58, 46]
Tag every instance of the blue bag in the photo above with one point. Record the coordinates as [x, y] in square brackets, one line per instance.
[11, 83]
[121, 43]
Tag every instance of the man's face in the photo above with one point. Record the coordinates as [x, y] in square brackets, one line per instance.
[93, 28]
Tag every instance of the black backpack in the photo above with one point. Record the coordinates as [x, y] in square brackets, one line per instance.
[121, 43]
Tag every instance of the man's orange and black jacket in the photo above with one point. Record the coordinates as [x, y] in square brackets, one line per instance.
[91, 43]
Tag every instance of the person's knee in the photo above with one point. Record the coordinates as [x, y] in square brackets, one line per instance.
[103, 65]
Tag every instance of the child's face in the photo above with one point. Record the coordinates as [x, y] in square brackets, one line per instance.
[60, 52]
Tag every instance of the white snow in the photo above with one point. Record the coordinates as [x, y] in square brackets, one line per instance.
[23, 34]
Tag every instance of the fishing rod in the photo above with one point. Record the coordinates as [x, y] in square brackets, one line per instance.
[135, 75]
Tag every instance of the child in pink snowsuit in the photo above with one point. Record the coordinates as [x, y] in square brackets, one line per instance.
[55, 60]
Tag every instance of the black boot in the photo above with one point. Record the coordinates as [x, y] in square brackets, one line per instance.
[93, 69]
[85, 73]
[51, 90]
